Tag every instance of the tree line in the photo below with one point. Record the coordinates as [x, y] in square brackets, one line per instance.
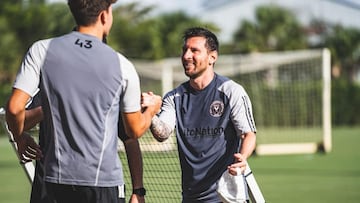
[139, 34]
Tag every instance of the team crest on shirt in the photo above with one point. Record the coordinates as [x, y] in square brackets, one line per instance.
[217, 108]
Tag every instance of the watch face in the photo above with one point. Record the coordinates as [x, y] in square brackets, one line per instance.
[140, 191]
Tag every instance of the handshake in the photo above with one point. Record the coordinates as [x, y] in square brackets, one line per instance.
[151, 100]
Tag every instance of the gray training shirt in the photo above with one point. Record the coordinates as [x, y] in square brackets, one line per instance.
[208, 124]
[84, 84]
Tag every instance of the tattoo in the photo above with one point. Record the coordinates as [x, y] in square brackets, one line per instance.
[160, 130]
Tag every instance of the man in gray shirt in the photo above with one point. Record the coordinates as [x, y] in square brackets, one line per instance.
[212, 117]
[85, 86]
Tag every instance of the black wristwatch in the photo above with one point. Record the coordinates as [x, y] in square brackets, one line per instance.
[140, 191]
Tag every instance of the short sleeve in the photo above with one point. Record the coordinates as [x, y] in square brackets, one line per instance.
[131, 93]
[28, 76]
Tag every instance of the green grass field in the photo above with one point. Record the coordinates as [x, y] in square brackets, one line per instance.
[327, 178]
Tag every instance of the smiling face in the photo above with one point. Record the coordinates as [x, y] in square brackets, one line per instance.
[196, 58]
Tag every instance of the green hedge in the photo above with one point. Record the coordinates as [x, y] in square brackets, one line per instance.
[345, 101]
[5, 90]
[286, 105]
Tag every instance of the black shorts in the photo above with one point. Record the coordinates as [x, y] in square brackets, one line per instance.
[43, 192]
[38, 190]
[82, 194]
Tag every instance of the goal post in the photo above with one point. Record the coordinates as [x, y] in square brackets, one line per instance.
[327, 141]
[290, 93]
[303, 84]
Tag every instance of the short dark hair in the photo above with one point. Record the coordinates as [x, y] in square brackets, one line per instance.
[85, 12]
[212, 43]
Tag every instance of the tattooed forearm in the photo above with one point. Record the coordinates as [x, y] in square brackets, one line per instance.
[160, 130]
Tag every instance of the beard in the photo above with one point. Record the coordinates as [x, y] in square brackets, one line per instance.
[194, 69]
[190, 69]
[194, 72]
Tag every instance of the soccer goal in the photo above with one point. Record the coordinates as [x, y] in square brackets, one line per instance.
[290, 94]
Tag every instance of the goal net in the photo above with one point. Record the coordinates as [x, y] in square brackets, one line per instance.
[290, 93]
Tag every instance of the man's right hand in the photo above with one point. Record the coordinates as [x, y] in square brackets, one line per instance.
[27, 148]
